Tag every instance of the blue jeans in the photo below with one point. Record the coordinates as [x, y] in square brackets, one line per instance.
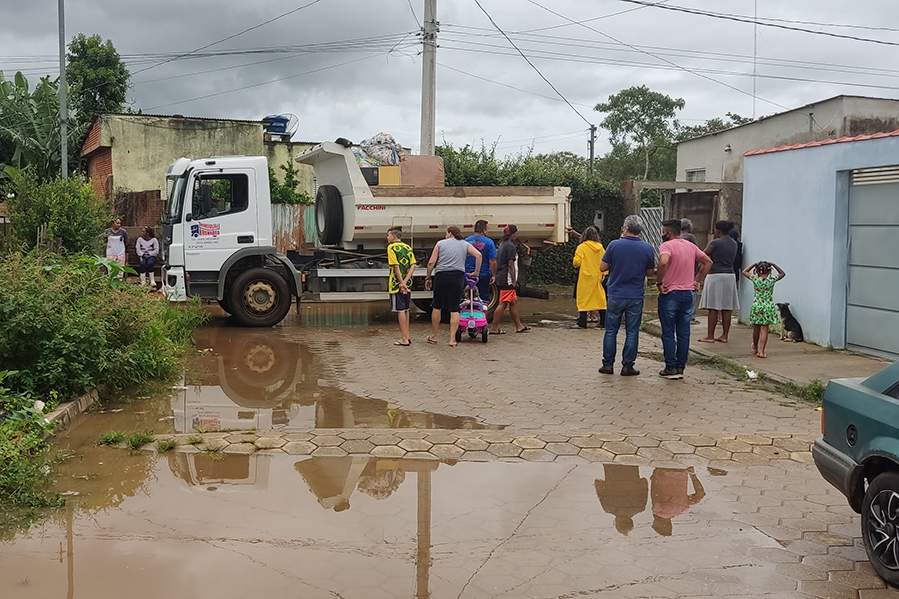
[675, 308]
[484, 288]
[632, 309]
[146, 264]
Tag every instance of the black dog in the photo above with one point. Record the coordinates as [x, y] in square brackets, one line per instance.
[790, 330]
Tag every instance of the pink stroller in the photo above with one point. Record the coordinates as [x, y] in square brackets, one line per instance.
[472, 313]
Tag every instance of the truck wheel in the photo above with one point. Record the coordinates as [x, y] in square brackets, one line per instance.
[329, 215]
[259, 298]
[493, 303]
[880, 525]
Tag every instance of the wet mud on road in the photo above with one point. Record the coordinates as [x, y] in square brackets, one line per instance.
[200, 525]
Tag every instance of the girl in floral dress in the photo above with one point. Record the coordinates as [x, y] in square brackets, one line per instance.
[763, 311]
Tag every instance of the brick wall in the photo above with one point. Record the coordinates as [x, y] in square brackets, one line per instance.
[99, 171]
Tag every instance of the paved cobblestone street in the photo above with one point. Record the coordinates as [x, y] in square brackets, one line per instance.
[538, 476]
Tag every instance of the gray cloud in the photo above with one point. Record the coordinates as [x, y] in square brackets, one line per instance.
[380, 91]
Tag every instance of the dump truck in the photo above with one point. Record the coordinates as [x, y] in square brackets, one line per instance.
[218, 242]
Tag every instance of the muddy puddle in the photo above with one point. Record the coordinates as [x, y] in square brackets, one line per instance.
[197, 525]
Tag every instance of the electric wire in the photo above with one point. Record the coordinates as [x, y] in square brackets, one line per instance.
[532, 64]
[225, 39]
[698, 74]
[741, 19]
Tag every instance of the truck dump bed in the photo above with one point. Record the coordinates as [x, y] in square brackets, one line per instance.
[541, 214]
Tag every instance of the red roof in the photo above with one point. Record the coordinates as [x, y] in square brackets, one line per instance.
[826, 142]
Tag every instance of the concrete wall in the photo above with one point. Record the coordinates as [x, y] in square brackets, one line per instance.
[795, 214]
[836, 117]
[143, 146]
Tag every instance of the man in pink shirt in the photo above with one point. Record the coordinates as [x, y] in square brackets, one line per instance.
[674, 278]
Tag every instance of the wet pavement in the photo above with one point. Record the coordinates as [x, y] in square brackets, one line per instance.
[316, 459]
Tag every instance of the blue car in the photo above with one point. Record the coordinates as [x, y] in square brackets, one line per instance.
[859, 455]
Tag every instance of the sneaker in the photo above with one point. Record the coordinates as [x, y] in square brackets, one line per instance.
[629, 370]
[607, 370]
[695, 321]
[671, 374]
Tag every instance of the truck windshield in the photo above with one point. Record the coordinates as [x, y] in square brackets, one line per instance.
[176, 199]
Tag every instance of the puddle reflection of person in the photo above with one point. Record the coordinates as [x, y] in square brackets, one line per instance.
[670, 498]
[623, 494]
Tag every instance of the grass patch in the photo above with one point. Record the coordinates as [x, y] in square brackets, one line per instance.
[164, 445]
[195, 439]
[111, 438]
[213, 448]
[138, 440]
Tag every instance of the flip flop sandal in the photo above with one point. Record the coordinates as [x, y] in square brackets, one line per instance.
[499, 332]
[401, 344]
[524, 330]
[431, 341]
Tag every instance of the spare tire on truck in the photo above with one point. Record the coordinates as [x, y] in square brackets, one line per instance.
[329, 215]
[259, 297]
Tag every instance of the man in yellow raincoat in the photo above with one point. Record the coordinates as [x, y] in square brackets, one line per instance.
[590, 294]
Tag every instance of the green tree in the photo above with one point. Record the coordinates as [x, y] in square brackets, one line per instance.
[642, 117]
[30, 127]
[69, 208]
[714, 125]
[286, 193]
[97, 77]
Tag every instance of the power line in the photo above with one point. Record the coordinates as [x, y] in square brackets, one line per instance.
[224, 39]
[741, 19]
[237, 89]
[414, 16]
[698, 74]
[530, 63]
[495, 82]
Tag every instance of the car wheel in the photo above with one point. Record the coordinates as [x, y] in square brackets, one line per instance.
[880, 525]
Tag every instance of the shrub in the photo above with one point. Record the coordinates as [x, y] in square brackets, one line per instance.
[68, 327]
[68, 206]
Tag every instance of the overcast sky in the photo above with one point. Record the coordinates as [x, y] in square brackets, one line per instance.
[351, 68]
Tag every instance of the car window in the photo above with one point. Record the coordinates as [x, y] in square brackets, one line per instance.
[893, 391]
[217, 195]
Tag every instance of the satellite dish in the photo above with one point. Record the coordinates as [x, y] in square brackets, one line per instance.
[293, 123]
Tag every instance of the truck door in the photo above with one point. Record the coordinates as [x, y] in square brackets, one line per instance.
[218, 222]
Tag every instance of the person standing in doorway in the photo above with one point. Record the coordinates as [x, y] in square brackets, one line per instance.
[485, 245]
[676, 283]
[401, 260]
[629, 260]
[590, 294]
[116, 241]
[507, 281]
[447, 263]
[147, 248]
[719, 295]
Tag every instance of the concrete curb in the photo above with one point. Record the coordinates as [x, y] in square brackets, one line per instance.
[654, 328]
[68, 411]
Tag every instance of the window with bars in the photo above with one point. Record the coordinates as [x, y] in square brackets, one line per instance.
[696, 175]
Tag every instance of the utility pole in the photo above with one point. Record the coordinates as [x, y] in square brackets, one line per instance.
[592, 144]
[428, 77]
[63, 114]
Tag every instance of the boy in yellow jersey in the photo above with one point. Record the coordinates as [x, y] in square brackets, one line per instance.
[402, 264]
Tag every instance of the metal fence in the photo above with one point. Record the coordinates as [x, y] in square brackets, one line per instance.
[652, 227]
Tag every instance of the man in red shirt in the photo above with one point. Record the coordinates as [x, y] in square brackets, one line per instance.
[676, 283]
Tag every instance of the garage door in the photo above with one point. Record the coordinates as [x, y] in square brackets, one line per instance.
[872, 313]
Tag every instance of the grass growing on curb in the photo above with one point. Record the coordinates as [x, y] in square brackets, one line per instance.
[138, 440]
[213, 448]
[111, 438]
[813, 392]
[194, 439]
[164, 445]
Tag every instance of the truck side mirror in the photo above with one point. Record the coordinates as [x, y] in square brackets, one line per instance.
[188, 217]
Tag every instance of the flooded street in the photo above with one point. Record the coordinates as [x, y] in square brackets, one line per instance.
[316, 459]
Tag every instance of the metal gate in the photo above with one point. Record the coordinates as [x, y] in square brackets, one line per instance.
[652, 227]
[872, 298]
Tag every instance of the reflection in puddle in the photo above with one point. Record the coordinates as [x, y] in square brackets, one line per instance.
[623, 494]
[360, 526]
[262, 381]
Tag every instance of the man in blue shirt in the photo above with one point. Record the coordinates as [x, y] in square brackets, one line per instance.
[485, 245]
[629, 260]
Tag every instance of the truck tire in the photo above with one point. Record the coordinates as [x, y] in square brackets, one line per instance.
[259, 297]
[224, 304]
[329, 215]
